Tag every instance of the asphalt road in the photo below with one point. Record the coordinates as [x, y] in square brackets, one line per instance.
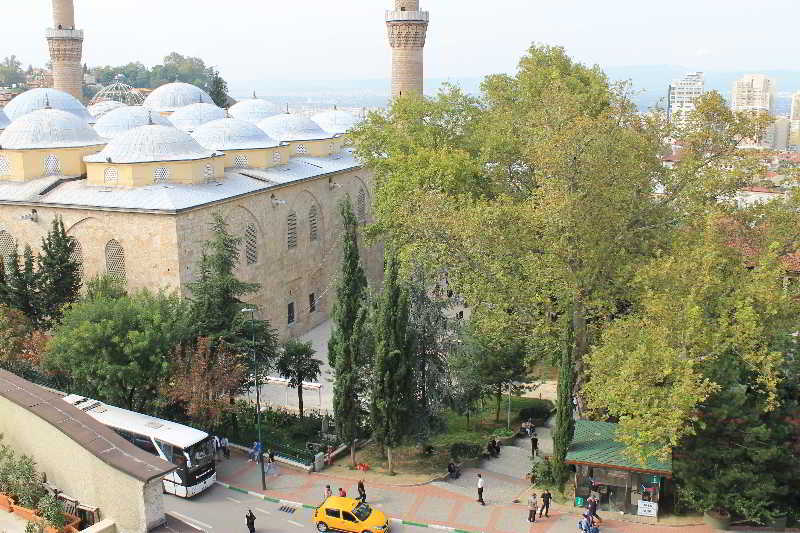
[219, 510]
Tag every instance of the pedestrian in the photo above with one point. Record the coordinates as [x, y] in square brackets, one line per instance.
[532, 508]
[251, 521]
[546, 497]
[225, 450]
[342, 493]
[480, 490]
[270, 461]
[253, 452]
[217, 447]
[362, 491]
[328, 492]
[592, 505]
[534, 445]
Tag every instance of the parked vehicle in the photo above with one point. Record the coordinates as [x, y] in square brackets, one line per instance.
[346, 514]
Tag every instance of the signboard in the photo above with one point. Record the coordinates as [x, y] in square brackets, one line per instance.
[647, 508]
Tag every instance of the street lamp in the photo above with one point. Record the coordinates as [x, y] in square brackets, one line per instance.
[252, 312]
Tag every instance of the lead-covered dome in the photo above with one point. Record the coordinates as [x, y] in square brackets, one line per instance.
[48, 128]
[4, 121]
[118, 121]
[101, 108]
[151, 143]
[42, 98]
[193, 116]
[336, 121]
[253, 110]
[232, 134]
[292, 127]
[172, 96]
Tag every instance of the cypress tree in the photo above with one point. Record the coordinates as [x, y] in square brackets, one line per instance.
[22, 284]
[565, 424]
[344, 348]
[59, 274]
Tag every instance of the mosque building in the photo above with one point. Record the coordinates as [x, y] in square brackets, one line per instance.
[137, 187]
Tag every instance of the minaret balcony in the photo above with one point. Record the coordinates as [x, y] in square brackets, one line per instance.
[407, 16]
[53, 33]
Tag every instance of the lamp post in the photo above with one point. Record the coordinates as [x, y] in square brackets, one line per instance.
[252, 312]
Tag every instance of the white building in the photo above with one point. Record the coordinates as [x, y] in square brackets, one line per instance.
[794, 117]
[682, 95]
[754, 92]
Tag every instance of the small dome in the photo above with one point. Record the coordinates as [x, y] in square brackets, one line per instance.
[253, 110]
[232, 134]
[193, 116]
[292, 127]
[34, 99]
[4, 122]
[101, 108]
[118, 121]
[335, 121]
[48, 128]
[151, 143]
[172, 96]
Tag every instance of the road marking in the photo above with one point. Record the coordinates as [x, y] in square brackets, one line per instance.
[262, 511]
[232, 499]
[196, 521]
[298, 524]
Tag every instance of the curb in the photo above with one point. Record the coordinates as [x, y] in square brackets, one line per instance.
[306, 506]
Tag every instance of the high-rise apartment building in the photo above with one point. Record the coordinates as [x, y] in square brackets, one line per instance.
[754, 92]
[682, 95]
[794, 122]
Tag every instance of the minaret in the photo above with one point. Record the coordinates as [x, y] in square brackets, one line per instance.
[407, 27]
[66, 47]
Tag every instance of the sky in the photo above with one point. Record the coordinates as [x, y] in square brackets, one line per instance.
[346, 39]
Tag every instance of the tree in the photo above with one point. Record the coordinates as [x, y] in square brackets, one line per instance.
[22, 285]
[466, 383]
[393, 381]
[217, 88]
[565, 422]
[345, 348]
[15, 328]
[117, 350]
[11, 71]
[59, 274]
[105, 287]
[297, 364]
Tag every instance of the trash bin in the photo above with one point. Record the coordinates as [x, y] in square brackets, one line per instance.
[579, 501]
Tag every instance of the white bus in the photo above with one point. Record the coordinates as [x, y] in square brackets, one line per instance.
[188, 448]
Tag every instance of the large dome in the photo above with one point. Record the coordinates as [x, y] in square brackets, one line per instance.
[292, 127]
[42, 98]
[4, 122]
[172, 96]
[193, 116]
[335, 121]
[101, 108]
[232, 134]
[253, 110]
[48, 128]
[151, 143]
[118, 121]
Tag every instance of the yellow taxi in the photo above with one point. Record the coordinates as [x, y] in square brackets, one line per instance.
[346, 514]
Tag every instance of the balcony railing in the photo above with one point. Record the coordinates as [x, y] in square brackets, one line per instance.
[64, 34]
[412, 16]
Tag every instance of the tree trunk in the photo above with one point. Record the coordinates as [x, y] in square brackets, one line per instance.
[391, 465]
[581, 344]
[353, 452]
[467, 419]
[499, 399]
[300, 399]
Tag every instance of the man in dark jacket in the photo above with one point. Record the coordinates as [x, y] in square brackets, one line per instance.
[546, 497]
[251, 521]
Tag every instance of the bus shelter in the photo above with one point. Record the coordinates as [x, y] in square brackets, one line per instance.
[602, 470]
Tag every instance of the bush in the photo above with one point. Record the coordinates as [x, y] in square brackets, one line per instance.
[539, 410]
[503, 433]
[545, 474]
[464, 450]
[51, 510]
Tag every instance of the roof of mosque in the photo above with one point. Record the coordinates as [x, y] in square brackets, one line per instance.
[232, 134]
[192, 116]
[101, 108]
[292, 127]
[151, 143]
[336, 121]
[42, 98]
[120, 120]
[48, 128]
[253, 110]
[4, 120]
[171, 197]
[172, 96]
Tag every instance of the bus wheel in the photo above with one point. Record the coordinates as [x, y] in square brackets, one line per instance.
[322, 526]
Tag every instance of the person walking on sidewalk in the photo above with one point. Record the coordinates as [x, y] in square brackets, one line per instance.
[362, 491]
[534, 445]
[328, 492]
[226, 452]
[546, 497]
[532, 508]
[251, 521]
[480, 490]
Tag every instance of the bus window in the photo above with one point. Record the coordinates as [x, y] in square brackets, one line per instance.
[166, 449]
[145, 444]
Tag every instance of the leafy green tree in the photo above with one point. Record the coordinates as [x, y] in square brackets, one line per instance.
[58, 274]
[105, 287]
[297, 364]
[565, 423]
[117, 350]
[22, 285]
[393, 381]
[11, 71]
[217, 88]
[466, 383]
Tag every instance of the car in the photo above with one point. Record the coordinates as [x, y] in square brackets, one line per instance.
[346, 514]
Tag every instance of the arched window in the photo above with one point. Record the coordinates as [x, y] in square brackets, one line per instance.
[161, 175]
[5, 166]
[7, 248]
[291, 230]
[361, 205]
[313, 232]
[77, 256]
[251, 244]
[111, 175]
[240, 161]
[301, 149]
[276, 157]
[115, 260]
[52, 166]
[208, 173]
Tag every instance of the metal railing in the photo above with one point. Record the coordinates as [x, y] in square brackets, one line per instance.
[54, 33]
[411, 16]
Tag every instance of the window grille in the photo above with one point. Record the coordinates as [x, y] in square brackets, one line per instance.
[52, 166]
[361, 205]
[291, 230]
[7, 247]
[301, 149]
[115, 260]
[276, 157]
[5, 166]
[312, 302]
[208, 172]
[240, 161]
[110, 175]
[312, 223]
[77, 256]
[161, 175]
[290, 313]
[250, 244]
